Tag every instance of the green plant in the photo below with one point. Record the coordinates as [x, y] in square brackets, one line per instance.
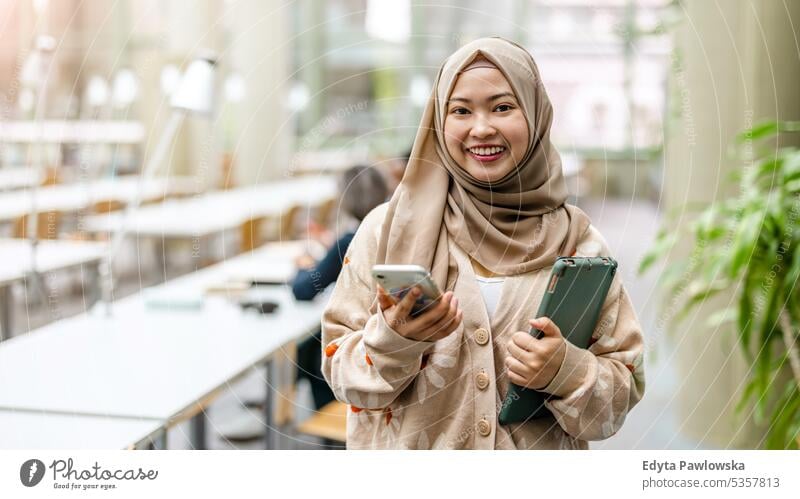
[750, 243]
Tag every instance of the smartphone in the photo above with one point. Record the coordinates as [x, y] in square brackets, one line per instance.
[398, 280]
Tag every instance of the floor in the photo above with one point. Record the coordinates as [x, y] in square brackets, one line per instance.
[629, 228]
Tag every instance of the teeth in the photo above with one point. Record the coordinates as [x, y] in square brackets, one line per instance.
[486, 151]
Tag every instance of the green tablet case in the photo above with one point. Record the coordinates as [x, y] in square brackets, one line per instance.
[573, 299]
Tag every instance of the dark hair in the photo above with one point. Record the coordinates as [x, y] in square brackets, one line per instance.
[362, 189]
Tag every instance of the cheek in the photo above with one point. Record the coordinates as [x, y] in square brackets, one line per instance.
[517, 136]
[453, 138]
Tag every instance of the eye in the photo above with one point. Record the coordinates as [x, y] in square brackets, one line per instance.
[504, 107]
[459, 110]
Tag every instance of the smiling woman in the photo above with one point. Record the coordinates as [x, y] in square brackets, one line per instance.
[483, 193]
[485, 130]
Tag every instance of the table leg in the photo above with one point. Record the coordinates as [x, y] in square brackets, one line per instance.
[160, 442]
[95, 291]
[159, 249]
[6, 307]
[270, 433]
[199, 430]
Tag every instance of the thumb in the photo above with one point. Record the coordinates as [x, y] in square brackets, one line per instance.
[546, 326]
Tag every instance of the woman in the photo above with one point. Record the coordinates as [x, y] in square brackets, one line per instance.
[482, 202]
[361, 189]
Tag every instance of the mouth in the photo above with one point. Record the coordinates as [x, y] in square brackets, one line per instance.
[486, 153]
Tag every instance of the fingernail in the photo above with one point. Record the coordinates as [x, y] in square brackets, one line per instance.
[416, 292]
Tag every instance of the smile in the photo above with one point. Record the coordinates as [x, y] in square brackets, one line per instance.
[486, 154]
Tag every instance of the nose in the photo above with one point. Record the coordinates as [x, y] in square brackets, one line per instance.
[482, 128]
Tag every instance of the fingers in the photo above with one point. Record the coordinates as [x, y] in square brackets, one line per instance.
[517, 379]
[447, 324]
[438, 311]
[518, 368]
[440, 320]
[518, 352]
[524, 341]
[384, 300]
[407, 303]
[547, 326]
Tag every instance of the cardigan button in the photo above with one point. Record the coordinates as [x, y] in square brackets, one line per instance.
[484, 428]
[481, 336]
[482, 380]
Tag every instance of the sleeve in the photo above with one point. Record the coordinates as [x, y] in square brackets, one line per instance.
[365, 362]
[308, 283]
[594, 389]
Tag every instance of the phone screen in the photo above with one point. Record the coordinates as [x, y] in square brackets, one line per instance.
[422, 304]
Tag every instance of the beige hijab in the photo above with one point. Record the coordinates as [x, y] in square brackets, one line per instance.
[515, 225]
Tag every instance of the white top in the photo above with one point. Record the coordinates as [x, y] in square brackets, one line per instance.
[490, 289]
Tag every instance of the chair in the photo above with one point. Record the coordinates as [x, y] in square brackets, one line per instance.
[47, 225]
[155, 200]
[251, 233]
[51, 177]
[107, 206]
[329, 423]
[287, 224]
[325, 212]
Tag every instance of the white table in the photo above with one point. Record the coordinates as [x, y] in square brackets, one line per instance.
[80, 195]
[165, 363]
[72, 132]
[216, 212]
[44, 430]
[19, 177]
[17, 263]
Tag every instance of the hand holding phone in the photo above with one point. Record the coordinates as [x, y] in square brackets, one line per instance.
[413, 305]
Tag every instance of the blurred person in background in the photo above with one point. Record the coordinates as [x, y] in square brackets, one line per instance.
[395, 169]
[362, 188]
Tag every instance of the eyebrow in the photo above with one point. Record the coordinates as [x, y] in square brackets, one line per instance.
[493, 97]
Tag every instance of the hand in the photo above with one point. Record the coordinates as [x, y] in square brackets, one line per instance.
[532, 362]
[434, 324]
[305, 261]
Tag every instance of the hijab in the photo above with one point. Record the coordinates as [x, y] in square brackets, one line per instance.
[514, 225]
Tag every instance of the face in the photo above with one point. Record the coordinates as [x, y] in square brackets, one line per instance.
[485, 129]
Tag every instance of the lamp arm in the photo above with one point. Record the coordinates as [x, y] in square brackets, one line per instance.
[160, 153]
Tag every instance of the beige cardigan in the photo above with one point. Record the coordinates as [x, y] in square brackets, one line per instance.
[409, 394]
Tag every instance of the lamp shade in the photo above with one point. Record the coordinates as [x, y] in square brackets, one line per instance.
[195, 92]
[124, 89]
[97, 92]
[34, 70]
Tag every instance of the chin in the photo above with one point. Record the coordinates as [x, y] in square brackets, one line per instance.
[493, 175]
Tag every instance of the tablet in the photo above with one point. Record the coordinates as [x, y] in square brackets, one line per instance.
[573, 300]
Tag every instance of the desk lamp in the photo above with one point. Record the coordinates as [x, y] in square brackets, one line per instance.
[193, 95]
